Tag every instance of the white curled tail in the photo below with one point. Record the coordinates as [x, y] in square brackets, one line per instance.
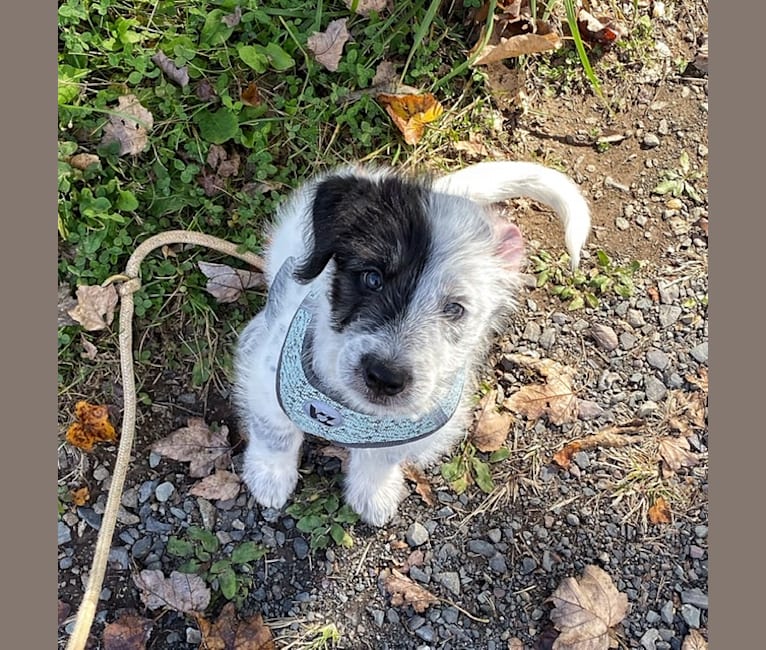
[490, 182]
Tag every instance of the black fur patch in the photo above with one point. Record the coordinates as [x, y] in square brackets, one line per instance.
[365, 225]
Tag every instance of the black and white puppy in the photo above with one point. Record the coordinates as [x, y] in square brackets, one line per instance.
[408, 278]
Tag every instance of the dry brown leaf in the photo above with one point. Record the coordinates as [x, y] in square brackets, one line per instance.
[700, 380]
[66, 302]
[82, 161]
[501, 47]
[182, 592]
[554, 399]
[129, 632]
[364, 7]
[659, 512]
[515, 644]
[341, 453]
[129, 125]
[226, 284]
[491, 430]
[253, 634]
[385, 75]
[230, 633]
[422, 485]
[89, 351]
[602, 29]
[63, 611]
[694, 641]
[675, 454]
[80, 496]
[251, 96]
[327, 46]
[95, 307]
[91, 425]
[653, 293]
[179, 76]
[406, 592]
[410, 112]
[416, 558]
[197, 444]
[222, 485]
[233, 19]
[585, 610]
[609, 437]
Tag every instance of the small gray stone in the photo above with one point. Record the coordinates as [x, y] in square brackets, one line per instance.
[667, 612]
[635, 318]
[655, 389]
[604, 336]
[669, 314]
[548, 560]
[699, 352]
[164, 491]
[663, 128]
[650, 141]
[416, 534]
[547, 338]
[691, 615]
[481, 547]
[669, 293]
[207, 512]
[572, 519]
[301, 548]
[130, 498]
[695, 597]
[647, 408]
[64, 534]
[145, 491]
[650, 637]
[119, 558]
[657, 359]
[621, 223]
[701, 531]
[450, 580]
[528, 565]
[193, 636]
[582, 459]
[100, 473]
[154, 459]
[495, 535]
[652, 617]
[378, 617]
[426, 632]
[588, 409]
[498, 564]
[417, 574]
[532, 332]
[141, 548]
[627, 341]
[91, 518]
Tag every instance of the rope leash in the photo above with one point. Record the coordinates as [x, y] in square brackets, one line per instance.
[131, 282]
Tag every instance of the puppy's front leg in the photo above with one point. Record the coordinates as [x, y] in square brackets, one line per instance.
[271, 461]
[374, 484]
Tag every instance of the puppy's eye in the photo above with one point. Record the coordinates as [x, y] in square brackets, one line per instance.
[373, 280]
[454, 310]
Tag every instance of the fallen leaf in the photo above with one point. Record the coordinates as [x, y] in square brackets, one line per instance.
[198, 445]
[91, 425]
[554, 399]
[182, 592]
[547, 638]
[515, 644]
[251, 96]
[226, 284]
[179, 76]
[222, 485]
[230, 633]
[129, 632]
[233, 19]
[205, 91]
[405, 592]
[675, 454]
[224, 163]
[80, 496]
[128, 125]
[694, 641]
[82, 161]
[341, 453]
[385, 75]
[491, 430]
[653, 293]
[95, 307]
[422, 485]
[659, 512]
[700, 380]
[501, 46]
[410, 113]
[327, 46]
[602, 29]
[585, 610]
[365, 7]
[416, 558]
[609, 437]
[89, 351]
[63, 611]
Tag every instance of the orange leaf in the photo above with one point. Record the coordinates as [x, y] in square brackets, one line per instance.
[422, 486]
[80, 497]
[411, 113]
[91, 425]
[659, 512]
[251, 96]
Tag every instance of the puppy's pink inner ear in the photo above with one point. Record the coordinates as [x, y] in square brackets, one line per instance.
[510, 246]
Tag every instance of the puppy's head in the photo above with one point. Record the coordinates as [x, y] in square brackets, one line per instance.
[412, 281]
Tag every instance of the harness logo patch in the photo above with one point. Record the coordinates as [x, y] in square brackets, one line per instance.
[323, 413]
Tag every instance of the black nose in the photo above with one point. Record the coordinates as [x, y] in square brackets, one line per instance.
[383, 377]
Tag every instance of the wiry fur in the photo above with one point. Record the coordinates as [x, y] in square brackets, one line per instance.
[390, 349]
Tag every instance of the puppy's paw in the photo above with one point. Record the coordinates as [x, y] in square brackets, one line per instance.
[271, 481]
[375, 503]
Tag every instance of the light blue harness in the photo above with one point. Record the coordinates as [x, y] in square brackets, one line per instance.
[313, 411]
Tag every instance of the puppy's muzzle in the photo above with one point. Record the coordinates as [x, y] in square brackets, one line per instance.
[383, 377]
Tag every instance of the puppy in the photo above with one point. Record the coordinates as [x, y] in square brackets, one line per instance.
[396, 285]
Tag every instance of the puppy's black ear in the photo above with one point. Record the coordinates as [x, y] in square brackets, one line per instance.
[335, 208]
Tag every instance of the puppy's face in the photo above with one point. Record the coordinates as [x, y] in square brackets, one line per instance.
[413, 283]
